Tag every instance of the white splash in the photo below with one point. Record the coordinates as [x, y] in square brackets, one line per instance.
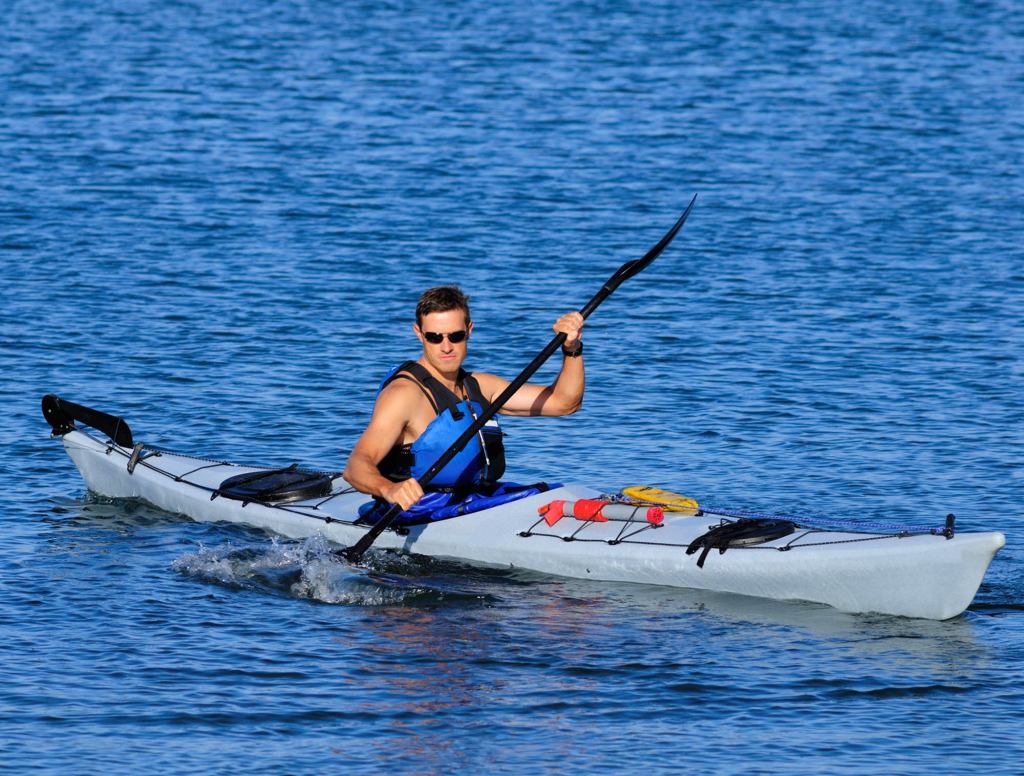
[306, 569]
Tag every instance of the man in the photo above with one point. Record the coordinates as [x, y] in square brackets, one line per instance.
[423, 406]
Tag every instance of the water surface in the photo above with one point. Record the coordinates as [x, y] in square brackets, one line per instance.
[215, 221]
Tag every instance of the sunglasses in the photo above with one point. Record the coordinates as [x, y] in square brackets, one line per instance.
[436, 337]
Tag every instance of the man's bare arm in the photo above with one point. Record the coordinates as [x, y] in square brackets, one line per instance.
[391, 414]
[563, 397]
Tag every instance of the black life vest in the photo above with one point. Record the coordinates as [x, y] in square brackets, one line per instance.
[481, 461]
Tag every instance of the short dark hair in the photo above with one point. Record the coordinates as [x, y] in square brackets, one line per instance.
[441, 299]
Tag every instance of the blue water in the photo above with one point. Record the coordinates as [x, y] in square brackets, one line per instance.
[215, 220]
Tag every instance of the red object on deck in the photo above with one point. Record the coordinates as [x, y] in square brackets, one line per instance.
[552, 512]
[594, 510]
[584, 509]
[655, 516]
[589, 509]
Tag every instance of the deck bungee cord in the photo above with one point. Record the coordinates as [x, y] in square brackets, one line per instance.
[841, 524]
[305, 510]
[902, 529]
[738, 534]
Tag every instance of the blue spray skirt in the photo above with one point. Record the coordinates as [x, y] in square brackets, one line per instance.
[441, 505]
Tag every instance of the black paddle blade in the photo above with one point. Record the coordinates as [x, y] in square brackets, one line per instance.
[631, 268]
[352, 554]
[355, 553]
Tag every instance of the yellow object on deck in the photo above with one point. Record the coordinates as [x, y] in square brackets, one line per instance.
[666, 499]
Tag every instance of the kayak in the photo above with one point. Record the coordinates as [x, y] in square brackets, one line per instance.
[925, 573]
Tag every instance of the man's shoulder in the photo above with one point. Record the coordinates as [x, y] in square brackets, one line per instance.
[398, 401]
[399, 387]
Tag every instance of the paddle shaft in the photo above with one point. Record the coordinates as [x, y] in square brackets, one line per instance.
[627, 270]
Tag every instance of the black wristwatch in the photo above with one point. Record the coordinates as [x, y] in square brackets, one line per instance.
[575, 352]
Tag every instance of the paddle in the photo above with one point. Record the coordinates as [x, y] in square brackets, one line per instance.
[354, 553]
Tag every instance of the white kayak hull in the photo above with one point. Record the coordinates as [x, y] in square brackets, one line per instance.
[928, 576]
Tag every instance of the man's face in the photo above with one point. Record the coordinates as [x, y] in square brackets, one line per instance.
[445, 356]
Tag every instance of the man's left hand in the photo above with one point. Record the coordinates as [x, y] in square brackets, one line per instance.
[572, 325]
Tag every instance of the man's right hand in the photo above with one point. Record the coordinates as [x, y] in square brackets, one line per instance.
[405, 493]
